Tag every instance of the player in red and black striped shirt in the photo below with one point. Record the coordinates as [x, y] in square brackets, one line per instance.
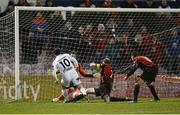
[106, 80]
[150, 70]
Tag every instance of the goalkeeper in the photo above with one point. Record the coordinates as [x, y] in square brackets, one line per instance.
[150, 70]
[106, 82]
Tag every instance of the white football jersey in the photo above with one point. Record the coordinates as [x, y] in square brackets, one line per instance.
[65, 64]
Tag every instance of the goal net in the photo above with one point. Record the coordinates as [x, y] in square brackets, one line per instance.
[94, 33]
[7, 53]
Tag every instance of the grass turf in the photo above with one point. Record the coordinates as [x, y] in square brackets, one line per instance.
[144, 106]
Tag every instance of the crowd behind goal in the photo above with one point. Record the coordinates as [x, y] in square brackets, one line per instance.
[156, 35]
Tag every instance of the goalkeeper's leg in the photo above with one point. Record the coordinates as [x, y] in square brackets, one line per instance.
[90, 91]
[106, 98]
[116, 99]
[76, 96]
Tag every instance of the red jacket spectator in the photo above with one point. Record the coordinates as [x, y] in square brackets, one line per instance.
[107, 4]
[129, 4]
[100, 36]
[146, 38]
[87, 3]
[156, 51]
[22, 3]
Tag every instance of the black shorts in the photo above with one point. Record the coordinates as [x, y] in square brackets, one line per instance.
[149, 76]
[103, 89]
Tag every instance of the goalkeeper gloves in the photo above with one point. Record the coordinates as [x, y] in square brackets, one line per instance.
[96, 74]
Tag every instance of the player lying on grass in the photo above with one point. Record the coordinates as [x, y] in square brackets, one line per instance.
[72, 91]
[66, 65]
[150, 70]
[106, 82]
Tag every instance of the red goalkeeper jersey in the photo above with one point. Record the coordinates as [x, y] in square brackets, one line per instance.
[107, 76]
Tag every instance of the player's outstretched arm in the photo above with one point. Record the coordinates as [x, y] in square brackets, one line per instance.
[132, 69]
[83, 72]
[92, 64]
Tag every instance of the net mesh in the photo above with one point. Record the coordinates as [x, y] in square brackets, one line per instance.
[7, 53]
[94, 35]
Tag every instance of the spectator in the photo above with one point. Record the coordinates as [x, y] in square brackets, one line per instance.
[55, 17]
[146, 40]
[112, 26]
[149, 4]
[49, 3]
[56, 14]
[39, 3]
[138, 42]
[174, 52]
[87, 3]
[68, 30]
[107, 4]
[130, 27]
[85, 43]
[177, 2]
[22, 3]
[173, 3]
[101, 40]
[129, 4]
[9, 9]
[164, 4]
[78, 39]
[89, 35]
[125, 47]
[156, 51]
[143, 41]
[125, 42]
[80, 33]
[90, 42]
[111, 51]
[29, 51]
[100, 36]
[38, 28]
[177, 18]
[39, 25]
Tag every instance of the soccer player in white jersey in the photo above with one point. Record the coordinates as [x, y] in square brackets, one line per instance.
[65, 64]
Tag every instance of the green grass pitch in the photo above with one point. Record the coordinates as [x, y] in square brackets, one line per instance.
[144, 106]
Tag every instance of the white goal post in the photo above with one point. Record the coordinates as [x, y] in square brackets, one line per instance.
[126, 11]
